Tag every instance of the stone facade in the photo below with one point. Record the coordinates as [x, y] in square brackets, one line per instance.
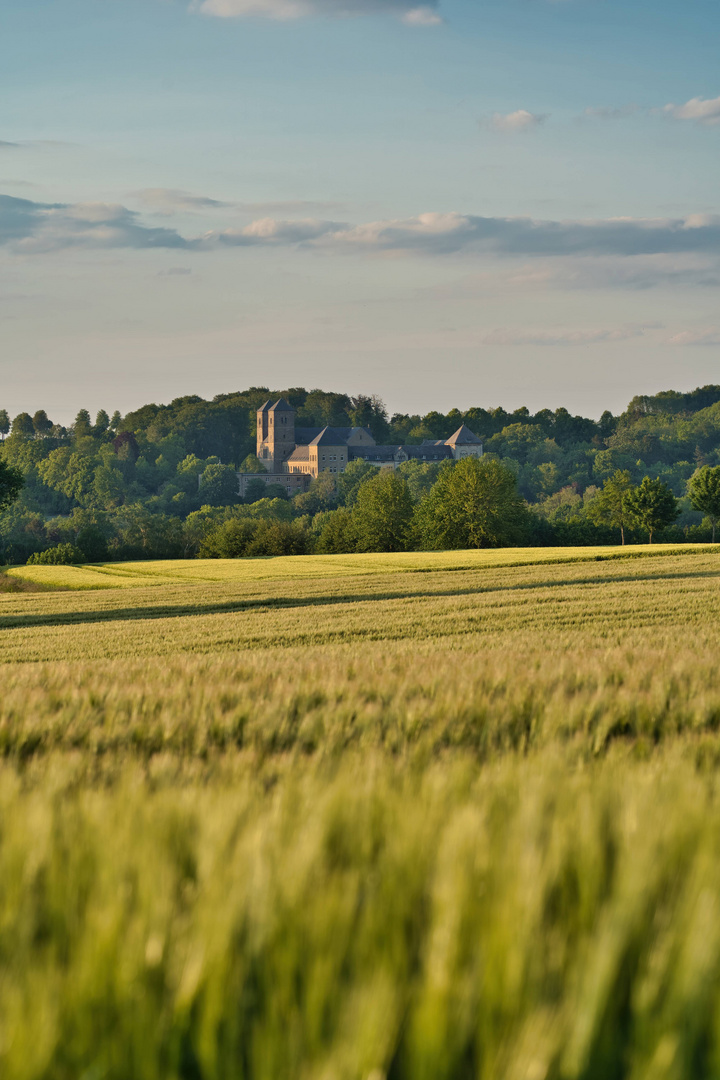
[294, 456]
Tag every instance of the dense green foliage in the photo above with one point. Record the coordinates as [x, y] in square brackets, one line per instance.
[363, 824]
[651, 505]
[138, 480]
[704, 492]
[11, 483]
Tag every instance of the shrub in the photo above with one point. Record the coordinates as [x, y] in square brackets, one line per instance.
[62, 555]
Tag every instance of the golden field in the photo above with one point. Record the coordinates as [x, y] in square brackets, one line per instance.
[407, 816]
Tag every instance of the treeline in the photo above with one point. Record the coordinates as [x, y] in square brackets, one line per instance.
[160, 481]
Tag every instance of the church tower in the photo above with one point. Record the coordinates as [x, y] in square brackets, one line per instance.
[275, 434]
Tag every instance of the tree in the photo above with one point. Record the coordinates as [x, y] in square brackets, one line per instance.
[252, 464]
[219, 485]
[704, 492]
[42, 425]
[115, 421]
[337, 534]
[350, 481]
[383, 514]
[11, 484]
[82, 425]
[4, 424]
[370, 412]
[23, 426]
[102, 423]
[609, 506]
[474, 504]
[321, 495]
[652, 506]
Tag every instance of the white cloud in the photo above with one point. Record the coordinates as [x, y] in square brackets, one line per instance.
[286, 10]
[701, 336]
[33, 226]
[520, 120]
[422, 16]
[703, 110]
[271, 231]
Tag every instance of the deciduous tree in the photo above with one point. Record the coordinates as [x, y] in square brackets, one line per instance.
[383, 514]
[42, 425]
[473, 504]
[11, 483]
[23, 426]
[609, 505]
[652, 506]
[704, 492]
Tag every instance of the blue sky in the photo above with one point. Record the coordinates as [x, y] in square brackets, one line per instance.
[452, 203]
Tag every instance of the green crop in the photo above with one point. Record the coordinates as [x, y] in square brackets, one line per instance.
[344, 817]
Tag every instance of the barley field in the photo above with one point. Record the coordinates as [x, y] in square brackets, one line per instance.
[379, 817]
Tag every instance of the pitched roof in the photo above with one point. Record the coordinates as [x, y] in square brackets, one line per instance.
[305, 435]
[281, 405]
[300, 453]
[429, 451]
[329, 437]
[265, 407]
[463, 437]
[373, 453]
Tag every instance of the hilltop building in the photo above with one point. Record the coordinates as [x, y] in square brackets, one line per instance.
[293, 456]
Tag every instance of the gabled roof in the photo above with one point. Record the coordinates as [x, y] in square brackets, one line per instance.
[329, 437]
[281, 405]
[463, 437]
[265, 407]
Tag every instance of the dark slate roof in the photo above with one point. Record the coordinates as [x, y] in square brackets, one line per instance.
[464, 437]
[328, 437]
[373, 453]
[300, 453]
[265, 407]
[305, 435]
[429, 451]
[281, 405]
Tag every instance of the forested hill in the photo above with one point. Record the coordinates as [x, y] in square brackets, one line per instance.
[144, 467]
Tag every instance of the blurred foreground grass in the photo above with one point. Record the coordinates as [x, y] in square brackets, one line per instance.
[461, 824]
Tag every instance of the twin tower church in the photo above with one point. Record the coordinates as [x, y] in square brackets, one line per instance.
[294, 455]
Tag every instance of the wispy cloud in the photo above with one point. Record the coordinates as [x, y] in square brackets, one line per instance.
[8, 145]
[699, 336]
[702, 110]
[173, 201]
[520, 120]
[284, 10]
[170, 201]
[638, 272]
[442, 234]
[32, 226]
[608, 112]
[562, 336]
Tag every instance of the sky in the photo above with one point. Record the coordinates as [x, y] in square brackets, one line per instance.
[449, 204]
